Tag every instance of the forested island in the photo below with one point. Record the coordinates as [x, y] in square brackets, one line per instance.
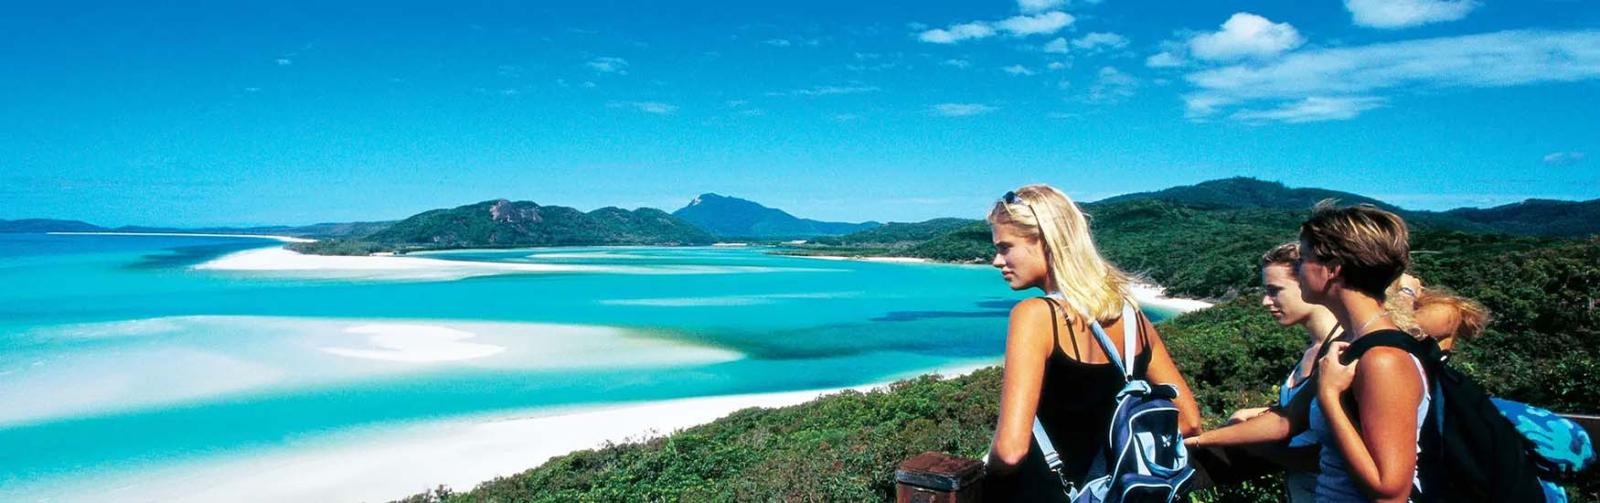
[1538, 272]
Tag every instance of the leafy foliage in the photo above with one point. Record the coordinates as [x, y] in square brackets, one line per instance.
[842, 447]
[503, 223]
[897, 234]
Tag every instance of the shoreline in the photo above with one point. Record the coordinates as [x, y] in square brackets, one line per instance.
[886, 259]
[395, 462]
[285, 239]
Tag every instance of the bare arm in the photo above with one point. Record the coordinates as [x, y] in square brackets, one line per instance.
[1028, 344]
[1269, 426]
[1163, 371]
[1382, 454]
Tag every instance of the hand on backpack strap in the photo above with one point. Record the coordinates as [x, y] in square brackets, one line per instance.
[1334, 377]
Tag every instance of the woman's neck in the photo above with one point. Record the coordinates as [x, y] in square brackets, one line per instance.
[1359, 313]
[1319, 325]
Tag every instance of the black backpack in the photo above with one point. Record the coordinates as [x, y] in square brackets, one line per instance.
[1470, 452]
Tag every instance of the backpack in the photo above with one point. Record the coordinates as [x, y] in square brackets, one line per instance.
[1469, 450]
[1561, 448]
[1143, 459]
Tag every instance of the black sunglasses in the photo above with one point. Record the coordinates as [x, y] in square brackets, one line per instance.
[1011, 197]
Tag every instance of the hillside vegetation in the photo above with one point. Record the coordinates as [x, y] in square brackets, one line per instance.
[502, 223]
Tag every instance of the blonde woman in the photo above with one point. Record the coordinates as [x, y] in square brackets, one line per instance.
[1053, 368]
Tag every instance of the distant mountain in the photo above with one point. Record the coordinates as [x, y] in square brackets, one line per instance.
[898, 233]
[731, 217]
[36, 225]
[1538, 217]
[1534, 217]
[1242, 192]
[503, 223]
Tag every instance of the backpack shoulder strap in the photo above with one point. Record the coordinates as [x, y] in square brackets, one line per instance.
[1051, 458]
[1105, 344]
[1425, 351]
[1130, 337]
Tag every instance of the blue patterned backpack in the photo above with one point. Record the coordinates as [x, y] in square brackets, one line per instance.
[1144, 459]
[1560, 448]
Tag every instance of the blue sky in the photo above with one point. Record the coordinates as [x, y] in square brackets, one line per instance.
[298, 112]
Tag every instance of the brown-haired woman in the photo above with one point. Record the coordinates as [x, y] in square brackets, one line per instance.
[1349, 257]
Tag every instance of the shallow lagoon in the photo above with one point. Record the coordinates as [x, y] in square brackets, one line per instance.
[122, 356]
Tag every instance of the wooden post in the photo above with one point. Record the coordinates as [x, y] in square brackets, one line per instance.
[936, 477]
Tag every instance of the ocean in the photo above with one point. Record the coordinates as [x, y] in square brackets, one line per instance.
[160, 367]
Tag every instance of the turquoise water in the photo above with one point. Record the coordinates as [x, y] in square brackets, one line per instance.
[119, 354]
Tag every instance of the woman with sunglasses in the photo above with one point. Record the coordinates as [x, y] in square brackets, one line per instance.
[1054, 369]
[1367, 417]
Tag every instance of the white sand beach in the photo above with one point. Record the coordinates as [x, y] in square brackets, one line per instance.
[285, 262]
[1154, 295]
[282, 260]
[894, 260]
[286, 239]
[391, 463]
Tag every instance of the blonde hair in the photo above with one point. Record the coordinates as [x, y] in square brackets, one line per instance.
[1090, 284]
[1468, 316]
[1402, 308]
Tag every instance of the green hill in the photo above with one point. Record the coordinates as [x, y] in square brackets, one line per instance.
[35, 225]
[1538, 217]
[897, 234]
[502, 223]
[731, 218]
[1200, 240]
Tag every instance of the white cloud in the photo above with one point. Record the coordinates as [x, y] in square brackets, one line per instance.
[1032, 6]
[1406, 13]
[777, 42]
[1057, 46]
[961, 109]
[1112, 84]
[736, 103]
[1056, 65]
[826, 91]
[608, 64]
[958, 63]
[1246, 35]
[1499, 59]
[1100, 39]
[846, 117]
[283, 61]
[1040, 24]
[1018, 70]
[1313, 109]
[1017, 26]
[1164, 59]
[655, 107]
[957, 33]
[1564, 158]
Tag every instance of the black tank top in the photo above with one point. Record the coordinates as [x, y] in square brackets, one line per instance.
[1075, 406]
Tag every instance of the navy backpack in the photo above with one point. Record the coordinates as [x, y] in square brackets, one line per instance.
[1143, 459]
